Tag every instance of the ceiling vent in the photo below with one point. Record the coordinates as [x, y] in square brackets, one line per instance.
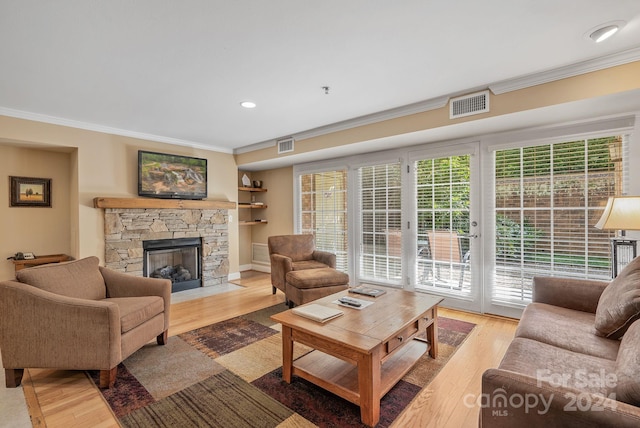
[468, 105]
[285, 145]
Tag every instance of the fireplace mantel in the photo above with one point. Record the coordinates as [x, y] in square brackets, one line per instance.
[133, 203]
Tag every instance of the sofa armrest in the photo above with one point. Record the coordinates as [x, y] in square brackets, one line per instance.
[325, 257]
[280, 266]
[511, 399]
[124, 285]
[570, 293]
[44, 329]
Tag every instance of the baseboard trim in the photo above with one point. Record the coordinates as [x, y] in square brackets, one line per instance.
[261, 268]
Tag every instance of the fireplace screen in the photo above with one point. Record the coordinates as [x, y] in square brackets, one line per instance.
[175, 259]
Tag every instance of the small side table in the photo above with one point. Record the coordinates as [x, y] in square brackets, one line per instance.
[41, 260]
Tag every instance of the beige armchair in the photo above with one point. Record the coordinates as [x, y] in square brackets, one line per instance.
[79, 316]
[302, 272]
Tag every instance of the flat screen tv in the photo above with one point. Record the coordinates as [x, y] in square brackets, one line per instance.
[162, 175]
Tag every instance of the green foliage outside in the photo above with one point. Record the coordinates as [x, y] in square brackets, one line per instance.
[565, 162]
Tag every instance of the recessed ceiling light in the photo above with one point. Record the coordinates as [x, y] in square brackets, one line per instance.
[604, 31]
[248, 104]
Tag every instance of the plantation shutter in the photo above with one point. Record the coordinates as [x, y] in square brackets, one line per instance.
[323, 212]
[547, 200]
[380, 218]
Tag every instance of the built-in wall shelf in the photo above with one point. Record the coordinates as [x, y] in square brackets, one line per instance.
[254, 206]
[133, 203]
[248, 219]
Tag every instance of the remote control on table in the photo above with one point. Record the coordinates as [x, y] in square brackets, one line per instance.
[349, 301]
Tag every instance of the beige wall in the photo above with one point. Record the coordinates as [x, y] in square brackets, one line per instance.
[38, 230]
[279, 211]
[103, 165]
[280, 200]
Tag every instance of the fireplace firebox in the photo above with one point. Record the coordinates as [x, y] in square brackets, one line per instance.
[178, 260]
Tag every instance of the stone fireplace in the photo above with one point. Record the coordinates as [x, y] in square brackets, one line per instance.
[127, 228]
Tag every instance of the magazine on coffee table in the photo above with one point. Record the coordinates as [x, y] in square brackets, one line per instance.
[317, 312]
[367, 291]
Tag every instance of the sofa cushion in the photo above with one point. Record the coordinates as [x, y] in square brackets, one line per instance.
[628, 366]
[555, 366]
[78, 278]
[565, 328]
[619, 304]
[308, 264]
[136, 310]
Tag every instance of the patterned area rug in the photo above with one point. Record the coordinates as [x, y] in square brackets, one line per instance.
[229, 374]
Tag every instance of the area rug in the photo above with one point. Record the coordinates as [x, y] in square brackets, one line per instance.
[229, 374]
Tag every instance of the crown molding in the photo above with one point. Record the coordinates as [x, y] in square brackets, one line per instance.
[394, 113]
[19, 114]
[572, 70]
[254, 147]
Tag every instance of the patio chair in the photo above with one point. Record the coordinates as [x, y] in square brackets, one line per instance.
[444, 247]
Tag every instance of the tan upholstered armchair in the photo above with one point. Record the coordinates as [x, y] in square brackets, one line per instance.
[79, 316]
[302, 272]
[295, 252]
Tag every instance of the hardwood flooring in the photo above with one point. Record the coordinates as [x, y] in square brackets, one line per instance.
[58, 398]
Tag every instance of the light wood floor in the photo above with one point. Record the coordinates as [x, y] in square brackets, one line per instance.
[67, 399]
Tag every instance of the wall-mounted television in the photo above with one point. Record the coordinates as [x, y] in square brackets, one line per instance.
[162, 175]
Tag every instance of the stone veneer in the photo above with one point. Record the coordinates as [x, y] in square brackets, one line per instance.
[125, 229]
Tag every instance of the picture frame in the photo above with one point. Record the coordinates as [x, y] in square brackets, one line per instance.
[29, 192]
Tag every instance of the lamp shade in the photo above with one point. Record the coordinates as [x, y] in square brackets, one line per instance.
[621, 213]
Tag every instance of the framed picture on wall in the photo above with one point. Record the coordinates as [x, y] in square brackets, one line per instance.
[29, 192]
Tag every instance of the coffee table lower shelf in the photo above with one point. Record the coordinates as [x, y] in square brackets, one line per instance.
[341, 377]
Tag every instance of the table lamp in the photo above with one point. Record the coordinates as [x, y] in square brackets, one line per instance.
[621, 213]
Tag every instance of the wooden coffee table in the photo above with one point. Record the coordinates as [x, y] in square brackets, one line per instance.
[362, 354]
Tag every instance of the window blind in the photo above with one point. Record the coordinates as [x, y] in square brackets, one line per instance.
[547, 201]
[323, 212]
[380, 200]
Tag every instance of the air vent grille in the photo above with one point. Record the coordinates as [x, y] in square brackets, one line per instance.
[469, 104]
[285, 145]
[260, 253]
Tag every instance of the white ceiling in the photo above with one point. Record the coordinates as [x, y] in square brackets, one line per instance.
[176, 71]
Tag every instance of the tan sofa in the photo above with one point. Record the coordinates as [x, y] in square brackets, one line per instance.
[303, 273]
[575, 358]
[79, 316]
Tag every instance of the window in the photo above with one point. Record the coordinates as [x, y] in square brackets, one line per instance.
[547, 200]
[380, 256]
[323, 212]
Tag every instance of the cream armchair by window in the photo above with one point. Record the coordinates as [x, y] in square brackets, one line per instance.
[79, 316]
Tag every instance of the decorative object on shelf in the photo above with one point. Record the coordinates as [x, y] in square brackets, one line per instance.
[621, 213]
[246, 182]
[257, 184]
[29, 192]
